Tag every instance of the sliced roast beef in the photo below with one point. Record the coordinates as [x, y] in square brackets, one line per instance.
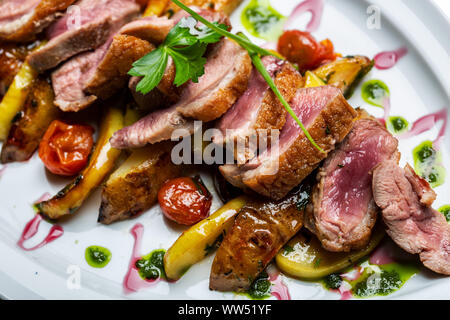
[343, 212]
[21, 20]
[258, 110]
[261, 229]
[99, 19]
[327, 116]
[155, 29]
[410, 220]
[227, 71]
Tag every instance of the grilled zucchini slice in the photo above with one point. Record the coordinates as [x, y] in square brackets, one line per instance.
[102, 161]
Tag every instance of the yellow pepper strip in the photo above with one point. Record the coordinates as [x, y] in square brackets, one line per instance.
[15, 97]
[196, 242]
[155, 7]
[311, 80]
[101, 163]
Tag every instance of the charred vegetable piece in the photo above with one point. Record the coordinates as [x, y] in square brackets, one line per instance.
[65, 147]
[226, 6]
[15, 97]
[201, 239]
[311, 80]
[155, 7]
[102, 161]
[345, 73]
[133, 187]
[262, 228]
[303, 257]
[185, 200]
[30, 124]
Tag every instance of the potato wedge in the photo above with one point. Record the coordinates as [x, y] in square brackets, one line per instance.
[305, 258]
[31, 123]
[345, 73]
[134, 186]
[196, 242]
[102, 161]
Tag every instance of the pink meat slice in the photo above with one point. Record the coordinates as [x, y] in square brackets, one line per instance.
[344, 212]
[410, 222]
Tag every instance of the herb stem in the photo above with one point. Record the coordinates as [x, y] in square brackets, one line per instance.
[255, 53]
[247, 44]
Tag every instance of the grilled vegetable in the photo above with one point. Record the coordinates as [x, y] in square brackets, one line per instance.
[303, 257]
[155, 7]
[311, 80]
[185, 200]
[30, 124]
[15, 98]
[226, 6]
[65, 148]
[102, 161]
[199, 240]
[134, 186]
[345, 73]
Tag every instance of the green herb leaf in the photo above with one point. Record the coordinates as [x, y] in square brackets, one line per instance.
[151, 67]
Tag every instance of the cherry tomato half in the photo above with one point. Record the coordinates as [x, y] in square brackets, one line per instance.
[65, 148]
[302, 49]
[185, 200]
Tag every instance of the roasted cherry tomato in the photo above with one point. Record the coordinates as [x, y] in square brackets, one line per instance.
[65, 148]
[302, 49]
[185, 200]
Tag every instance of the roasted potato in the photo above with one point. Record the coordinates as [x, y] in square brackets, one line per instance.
[30, 124]
[134, 186]
[226, 6]
[345, 73]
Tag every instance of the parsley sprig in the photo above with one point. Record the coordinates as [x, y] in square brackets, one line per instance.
[186, 43]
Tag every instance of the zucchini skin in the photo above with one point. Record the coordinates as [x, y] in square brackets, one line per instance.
[345, 73]
[102, 162]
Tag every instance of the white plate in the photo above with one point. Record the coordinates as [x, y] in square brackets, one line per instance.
[420, 84]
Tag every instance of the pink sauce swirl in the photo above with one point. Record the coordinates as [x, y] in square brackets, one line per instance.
[315, 7]
[388, 59]
[427, 122]
[279, 289]
[133, 281]
[32, 227]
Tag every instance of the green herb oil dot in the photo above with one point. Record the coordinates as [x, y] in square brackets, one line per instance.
[260, 288]
[262, 21]
[397, 125]
[151, 266]
[427, 163]
[97, 257]
[375, 92]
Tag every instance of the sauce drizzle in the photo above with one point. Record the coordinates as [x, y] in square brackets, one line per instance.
[32, 227]
[315, 7]
[388, 59]
[279, 289]
[133, 281]
[427, 122]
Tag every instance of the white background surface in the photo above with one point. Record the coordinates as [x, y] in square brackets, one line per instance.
[444, 5]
